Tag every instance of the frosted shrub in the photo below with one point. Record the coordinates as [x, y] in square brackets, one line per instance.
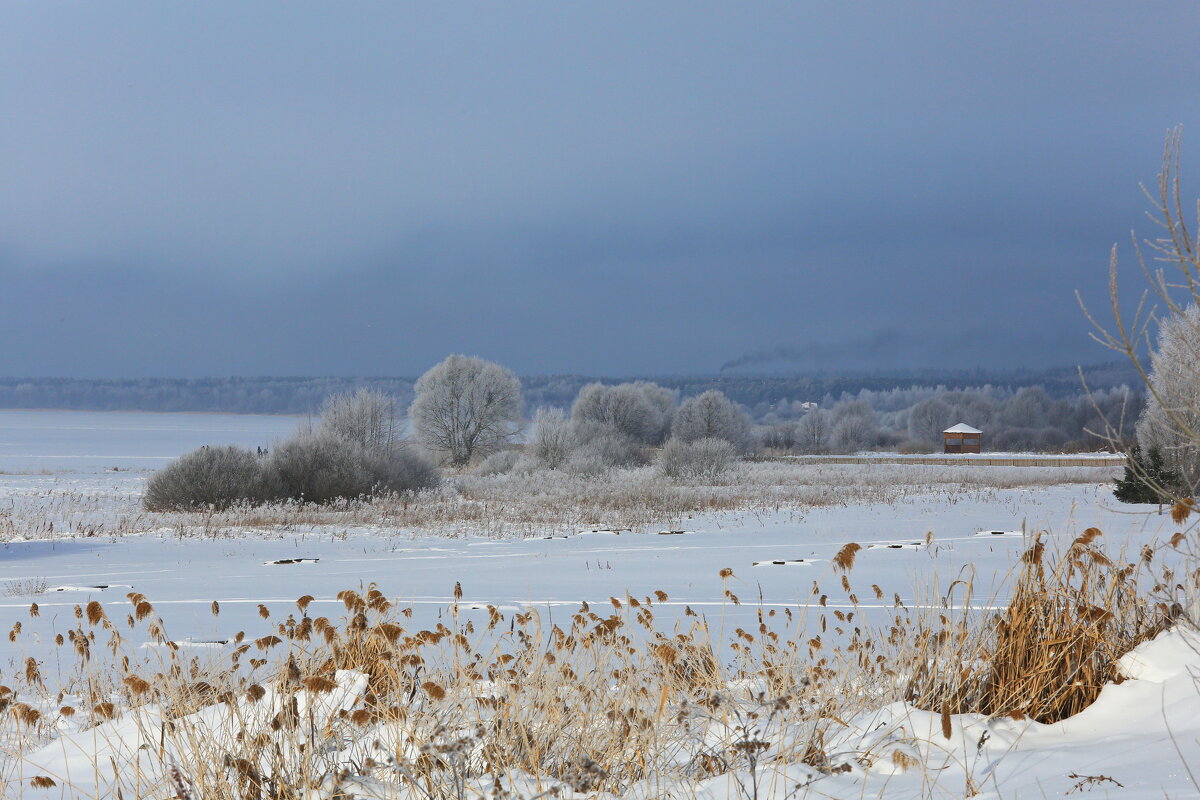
[603, 452]
[400, 468]
[210, 477]
[703, 459]
[500, 462]
[320, 468]
[554, 438]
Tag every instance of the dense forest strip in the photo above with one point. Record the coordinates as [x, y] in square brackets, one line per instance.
[302, 395]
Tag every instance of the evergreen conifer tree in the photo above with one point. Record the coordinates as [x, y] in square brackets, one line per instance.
[1147, 479]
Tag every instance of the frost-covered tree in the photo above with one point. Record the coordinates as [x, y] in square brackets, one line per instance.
[778, 436]
[712, 415]
[928, 418]
[1028, 408]
[553, 439]
[1170, 422]
[974, 408]
[366, 417]
[640, 412]
[854, 426]
[663, 401]
[812, 432]
[851, 435]
[465, 407]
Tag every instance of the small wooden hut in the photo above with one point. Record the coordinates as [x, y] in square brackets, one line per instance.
[962, 439]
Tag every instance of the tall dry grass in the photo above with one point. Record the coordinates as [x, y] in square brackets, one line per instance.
[1055, 644]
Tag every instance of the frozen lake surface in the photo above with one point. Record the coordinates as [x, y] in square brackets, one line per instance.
[103, 441]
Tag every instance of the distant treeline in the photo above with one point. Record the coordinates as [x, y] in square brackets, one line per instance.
[759, 393]
[271, 395]
[225, 395]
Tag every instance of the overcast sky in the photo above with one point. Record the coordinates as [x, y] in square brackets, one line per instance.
[295, 188]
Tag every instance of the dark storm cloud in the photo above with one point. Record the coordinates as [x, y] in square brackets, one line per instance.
[251, 188]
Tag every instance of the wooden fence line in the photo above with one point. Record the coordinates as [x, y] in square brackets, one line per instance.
[959, 461]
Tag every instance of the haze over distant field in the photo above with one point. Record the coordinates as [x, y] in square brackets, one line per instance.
[294, 188]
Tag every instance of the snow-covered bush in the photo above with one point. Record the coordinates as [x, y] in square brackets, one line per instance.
[703, 459]
[210, 477]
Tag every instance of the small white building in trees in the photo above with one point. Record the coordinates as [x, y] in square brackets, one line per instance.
[962, 438]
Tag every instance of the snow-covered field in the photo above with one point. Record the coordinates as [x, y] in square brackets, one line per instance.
[972, 535]
[1138, 740]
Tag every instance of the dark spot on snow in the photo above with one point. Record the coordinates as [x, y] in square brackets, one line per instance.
[293, 561]
[671, 533]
